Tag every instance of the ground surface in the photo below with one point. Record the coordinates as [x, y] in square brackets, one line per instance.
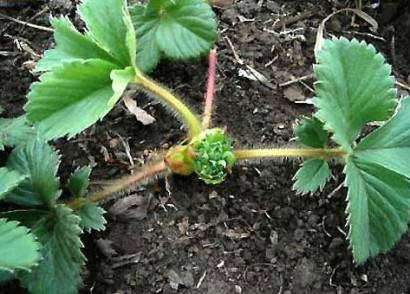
[251, 234]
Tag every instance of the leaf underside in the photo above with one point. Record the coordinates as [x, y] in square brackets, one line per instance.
[59, 270]
[18, 248]
[312, 176]
[353, 87]
[179, 30]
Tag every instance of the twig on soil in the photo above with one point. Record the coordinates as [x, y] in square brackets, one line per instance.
[290, 20]
[41, 12]
[8, 53]
[402, 85]
[331, 194]
[127, 149]
[34, 26]
[341, 231]
[237, 58]
[126, 260]
[365, 35]
[201, 279]
[324, 227]
[307, 86]
[296, 80]
[332, 275]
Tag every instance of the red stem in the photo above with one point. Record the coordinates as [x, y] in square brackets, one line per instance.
[210, 89]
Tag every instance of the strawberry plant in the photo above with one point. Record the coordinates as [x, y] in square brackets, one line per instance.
[86, 74]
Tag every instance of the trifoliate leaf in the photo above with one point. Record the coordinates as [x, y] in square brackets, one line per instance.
[177, 29]
[312, 176]
[70, 45]
[110, 26]
[9, 179]
[378, 207]
[92, 217]
[59, 270]
[389, 145]
[39, 162]
[79, 181]
[18, 248]
[353, 87]
[74, 96]
[15, 131]
[310, 132]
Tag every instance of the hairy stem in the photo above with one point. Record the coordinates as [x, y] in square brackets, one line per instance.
[292, 152]
[210, 89]
[146, 173]
[188, 117]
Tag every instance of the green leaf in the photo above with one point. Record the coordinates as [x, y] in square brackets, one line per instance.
[389, 145]
[92, 217]
[177, 29]
[59, 270]
[311, 132]
[79, 181]
[74, 96]
[110, 26]
[9, 179]
[312, 175]
[15, 131]
[18, 248]
[39, 162]
[28, 218]
[353, 87]
[6, 276]
[70, 45]
[378, 207]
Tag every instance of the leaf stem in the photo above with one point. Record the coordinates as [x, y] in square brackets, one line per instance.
[210, 89]
[147, 172]
[324, 153]
[188, 117]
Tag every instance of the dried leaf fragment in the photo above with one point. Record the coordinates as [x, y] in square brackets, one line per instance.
[141, 115]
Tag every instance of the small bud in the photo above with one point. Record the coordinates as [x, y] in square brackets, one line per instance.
[180, 160]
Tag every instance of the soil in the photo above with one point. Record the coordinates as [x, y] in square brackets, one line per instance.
[252, 234]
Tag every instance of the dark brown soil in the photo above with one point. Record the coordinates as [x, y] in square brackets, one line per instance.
[251, 234]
